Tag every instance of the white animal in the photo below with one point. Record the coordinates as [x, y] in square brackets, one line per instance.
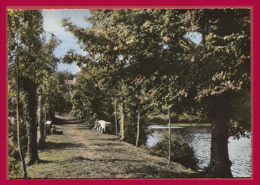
[103, 125]
[47, 126]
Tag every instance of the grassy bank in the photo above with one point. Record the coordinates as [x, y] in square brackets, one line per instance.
[183, 120]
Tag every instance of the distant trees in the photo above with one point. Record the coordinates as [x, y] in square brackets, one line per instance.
[56, 93]
[89, 99]
[147, 54]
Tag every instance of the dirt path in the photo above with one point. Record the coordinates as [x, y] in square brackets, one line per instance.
[82, 152]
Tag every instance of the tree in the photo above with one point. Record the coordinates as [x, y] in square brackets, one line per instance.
[33, 58]
[225, 48]
[20, 34]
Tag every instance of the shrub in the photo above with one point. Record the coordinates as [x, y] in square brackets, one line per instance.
[14, 157]
[131, 124]
[131, 130]
[181, 152]
[13, 162]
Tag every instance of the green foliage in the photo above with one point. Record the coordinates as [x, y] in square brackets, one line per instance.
[181, 152]
[30, 61]
[12, 134]
[56, 93]
[90, 97]
[27, 45]
[13, 161]
[241, 115]
[226, 49]
[30, 55]
[13, 154]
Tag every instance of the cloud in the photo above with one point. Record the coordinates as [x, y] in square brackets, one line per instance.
[52, 20]
[52, 24]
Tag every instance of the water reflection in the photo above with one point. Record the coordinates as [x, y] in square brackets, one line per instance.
[199, 139]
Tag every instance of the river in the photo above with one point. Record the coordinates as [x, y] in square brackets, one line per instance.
[199, 139]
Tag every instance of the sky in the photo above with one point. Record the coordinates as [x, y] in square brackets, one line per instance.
[194, 37]
[52, 24]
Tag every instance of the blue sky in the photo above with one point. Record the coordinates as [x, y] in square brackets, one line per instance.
[52, 24]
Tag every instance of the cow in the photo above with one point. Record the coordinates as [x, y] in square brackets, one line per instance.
[47, 126]
[102, 126]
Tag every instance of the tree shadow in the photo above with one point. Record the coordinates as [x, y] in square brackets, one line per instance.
[63, 145]
[56, 132]
[103, 139]
[124, 160]
[107, 144]
[59, 121]
[40, 161]
[113, 150]
[84, 127]
[80, 158]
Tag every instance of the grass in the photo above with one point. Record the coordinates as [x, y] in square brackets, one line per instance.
[82, 152]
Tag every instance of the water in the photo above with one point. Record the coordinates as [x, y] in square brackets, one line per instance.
[199, 139]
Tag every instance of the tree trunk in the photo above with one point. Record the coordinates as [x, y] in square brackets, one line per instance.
[40, 119]
[86, 116]
[122, 111]
[45, 114]
[115, 106]
[18, 126]
[51, 115]
[31, 117]
[220, 165]
[138, 126]
[169, 114]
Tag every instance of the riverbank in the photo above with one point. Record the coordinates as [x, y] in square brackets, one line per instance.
[82, 152]
[185, 120]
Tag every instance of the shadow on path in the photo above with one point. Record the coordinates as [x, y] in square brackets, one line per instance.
[84, 127]
[102, 139]
[59, 121]
[64, 146]
[107, 144]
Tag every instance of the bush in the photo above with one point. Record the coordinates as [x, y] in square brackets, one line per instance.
[131, 124]
[14, 157]
[181, 152]
[131, 131]
[13, 162]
